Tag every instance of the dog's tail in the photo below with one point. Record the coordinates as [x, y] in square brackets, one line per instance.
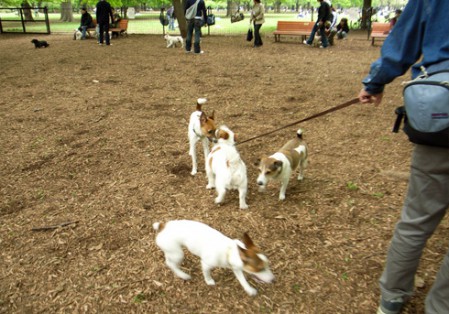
[299, 133]
[199, 103]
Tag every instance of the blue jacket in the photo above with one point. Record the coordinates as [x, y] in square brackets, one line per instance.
[201, 9]
[421, 31]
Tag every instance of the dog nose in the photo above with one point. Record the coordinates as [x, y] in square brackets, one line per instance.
[259, 182]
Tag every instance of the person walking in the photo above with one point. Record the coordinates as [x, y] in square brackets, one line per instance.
[257, 17]
[103, 13]
[324, 15]
[196, 16]
[419, 39]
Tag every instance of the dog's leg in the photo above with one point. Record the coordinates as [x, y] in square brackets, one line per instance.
[221, 192]
[206, 273]
[284, 184]
[205, 143]
[302, 167]
[210, 176]
[173, 259]
[242, 197]
[192, 152]
[241, 278]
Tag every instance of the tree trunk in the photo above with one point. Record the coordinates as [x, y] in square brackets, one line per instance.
[366, 14]
[27, 11]
[179, 5]
[66, 11]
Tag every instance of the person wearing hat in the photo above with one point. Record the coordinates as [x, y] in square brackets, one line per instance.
[86, 22]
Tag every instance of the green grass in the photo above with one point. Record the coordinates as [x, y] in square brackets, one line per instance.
[148, 23]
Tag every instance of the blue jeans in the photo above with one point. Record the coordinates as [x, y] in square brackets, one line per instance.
[193, 25]
[171, 23]
[83, 31]
[324, 41]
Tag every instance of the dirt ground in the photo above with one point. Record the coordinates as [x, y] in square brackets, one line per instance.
[96, 137]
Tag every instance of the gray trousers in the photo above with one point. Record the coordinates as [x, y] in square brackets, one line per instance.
[425, 205]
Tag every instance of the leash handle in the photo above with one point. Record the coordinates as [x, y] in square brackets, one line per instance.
[341, 106]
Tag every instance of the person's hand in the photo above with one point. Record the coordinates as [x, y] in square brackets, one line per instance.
[367, 98]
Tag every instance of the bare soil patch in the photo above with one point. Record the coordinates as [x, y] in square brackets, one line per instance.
[112, 155]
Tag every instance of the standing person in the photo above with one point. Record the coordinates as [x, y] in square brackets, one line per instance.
[419, 36]
[104, 12]
[86, 22]
[323, 17]
[196, 15]
[171, 18]
[257, 17]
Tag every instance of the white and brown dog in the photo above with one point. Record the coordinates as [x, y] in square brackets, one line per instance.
[225, 169]
[172, 41]
[201, 128]
[215, 250]
[280, 165]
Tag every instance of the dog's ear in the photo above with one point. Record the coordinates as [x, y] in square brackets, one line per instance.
[236, 138]
[247, 241]
[276, 165]
[222, 134]
[203, 118]
[257, 162]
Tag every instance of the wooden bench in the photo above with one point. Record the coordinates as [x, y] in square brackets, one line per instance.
[122, 28]
[379, 30]
[293, 28]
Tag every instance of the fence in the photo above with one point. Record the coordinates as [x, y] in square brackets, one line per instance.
[28, 21]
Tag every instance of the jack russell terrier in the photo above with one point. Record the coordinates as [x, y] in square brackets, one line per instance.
[201, 128]
[280, 165]
[225, 169]
[215, 250]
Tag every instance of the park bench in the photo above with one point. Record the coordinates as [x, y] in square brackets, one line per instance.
[122, 28]
[293, 28]
[379, 31]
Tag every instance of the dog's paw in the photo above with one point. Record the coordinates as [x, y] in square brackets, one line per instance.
[185, 276]
[243, 206]
[281, 197]
[300, 178]
[251, 291]
[218, 200]
[194, 172]
[210, 282]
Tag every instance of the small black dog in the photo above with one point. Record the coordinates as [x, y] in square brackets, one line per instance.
[40, 43]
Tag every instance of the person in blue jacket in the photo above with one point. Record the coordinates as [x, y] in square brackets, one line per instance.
[419, 38]
[195, 24]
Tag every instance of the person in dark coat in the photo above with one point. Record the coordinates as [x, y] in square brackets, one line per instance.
[86, 22]
[104, 12]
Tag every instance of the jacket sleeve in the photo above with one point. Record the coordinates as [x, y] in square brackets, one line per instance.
[401, 49]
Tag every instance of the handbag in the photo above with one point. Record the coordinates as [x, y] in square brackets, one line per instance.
[426, 102]
[211, 19]
[249, 35]
[237, 17]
